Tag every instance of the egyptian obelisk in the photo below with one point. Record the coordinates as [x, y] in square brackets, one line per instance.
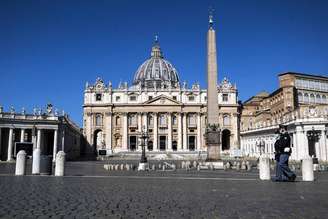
[212, 132]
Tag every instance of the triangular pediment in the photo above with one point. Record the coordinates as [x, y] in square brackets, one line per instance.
[162, 100]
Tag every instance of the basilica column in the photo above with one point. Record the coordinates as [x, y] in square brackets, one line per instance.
[155, 129]
[322, 145]
[139, 130]
[22, 135]
[55, 145]
[199, 132]
[179, 148]
[10, 145]
[108, 128]
[125, 132]
[185, 131]
[294, 154]
[169, 134]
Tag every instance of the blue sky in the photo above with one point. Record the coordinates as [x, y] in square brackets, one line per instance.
[49, 49]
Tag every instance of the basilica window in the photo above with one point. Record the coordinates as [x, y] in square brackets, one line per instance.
[317, 98]
[300, 97]
[192, 120]
[117, 98]
[133, 98]
[98, 120]
[98, 97]
[162, 120]
[174, 120]
[133, 120]
[324, 99]
[150, 97]
[150, 120]
[226, 120]
[224, 97]
[312, 98]
[306, 98]
[174, 97]
[191, 98]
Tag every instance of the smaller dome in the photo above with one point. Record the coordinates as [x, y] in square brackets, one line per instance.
[156, 71]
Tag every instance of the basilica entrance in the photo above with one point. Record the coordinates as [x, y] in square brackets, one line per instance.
[226, 139]
[133, 143]
[174, 145]
[162, 143]
[98, 141]
[192, 143]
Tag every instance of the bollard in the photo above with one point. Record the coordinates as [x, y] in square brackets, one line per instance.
[264, 166]
[238, 166]
[194, 164]
[174, 167]
[163, 167]
[122, 167]
[60, 164]
[20, 163]
[127, 167]
[248, 166]
[159, 166]
[116, 167]
[36, 161]
[153, 167]
[182, 165]
[307, 169]
[243, 165]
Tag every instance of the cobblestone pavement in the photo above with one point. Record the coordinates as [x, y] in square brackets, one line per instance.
[181, 194]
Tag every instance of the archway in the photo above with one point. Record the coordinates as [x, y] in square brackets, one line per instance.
[226, 139]
[192, 143]
[150, 145]
[98, 140]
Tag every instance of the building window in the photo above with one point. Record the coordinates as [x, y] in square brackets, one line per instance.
[133, 120]
[98, 120]
[224, 97]
[174, 120]
[192, 120]
[98, 97]
[133, 98]
[226, 120]
[205, 98]
[317, 98]
[300, 97]
[191, 98]
[162, 119]
[150, 97]
[117, 98]
[306, 98]
[174, 97]
[312, 100]
[150, 120]
[324, 99]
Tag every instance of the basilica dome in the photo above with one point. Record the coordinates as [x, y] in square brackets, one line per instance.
[156, 71]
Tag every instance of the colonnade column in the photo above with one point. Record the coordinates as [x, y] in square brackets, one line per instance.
[139, 130]
[323, 146]
[38, 141]
[145, 124]
[185, 131]
[169, 134]
[125, 132]
[10, 145]
[155, 129]
[179, 132]
[294, 150]
[55, 145]
[22, 135]
[199, 132]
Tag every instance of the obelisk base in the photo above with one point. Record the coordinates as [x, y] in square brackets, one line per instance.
[213, 145]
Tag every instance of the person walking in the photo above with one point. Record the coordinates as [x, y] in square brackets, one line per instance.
[282, 152]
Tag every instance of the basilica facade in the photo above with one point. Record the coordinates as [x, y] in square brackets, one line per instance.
[173, 113]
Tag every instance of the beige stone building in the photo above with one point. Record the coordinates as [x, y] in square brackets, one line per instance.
[173, 113]
[301, 102]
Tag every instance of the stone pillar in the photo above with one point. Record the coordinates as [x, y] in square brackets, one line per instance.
[179, 132]
[324, 146]
[20, 163]
[184, 126]
[169, 134]
[139, 130]
[199, 132]
[307, 169]
[294, 154]
[155, 129]
[38, 141]
[55, 145]
[22, 135]
[305, 144]
[60, 164]
[125, 132]
[10, 145]
[108, 126]
[36, 161]
[63, 140]
[264, 163]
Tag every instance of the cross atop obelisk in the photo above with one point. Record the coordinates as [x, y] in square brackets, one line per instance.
[212, 131]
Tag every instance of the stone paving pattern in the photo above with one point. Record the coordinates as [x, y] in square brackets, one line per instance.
[181, 194]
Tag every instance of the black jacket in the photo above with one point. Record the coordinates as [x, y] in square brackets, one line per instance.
[282, 142]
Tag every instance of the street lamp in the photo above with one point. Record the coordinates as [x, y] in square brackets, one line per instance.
[143, 164]
[261, 144]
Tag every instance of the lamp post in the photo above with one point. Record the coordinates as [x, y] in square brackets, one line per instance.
[143, 164]
[261, 144]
